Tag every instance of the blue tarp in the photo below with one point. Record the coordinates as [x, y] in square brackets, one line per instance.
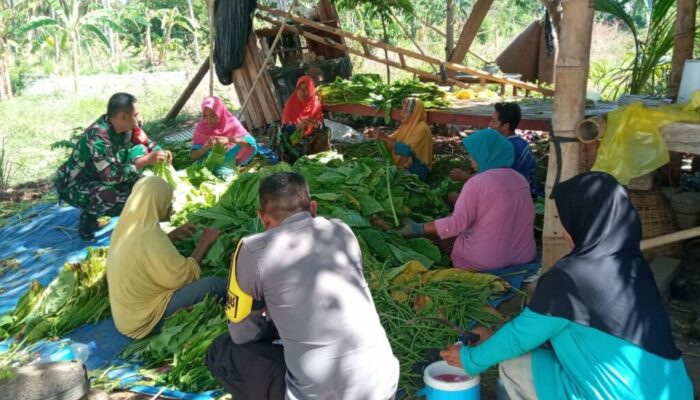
[43, 239]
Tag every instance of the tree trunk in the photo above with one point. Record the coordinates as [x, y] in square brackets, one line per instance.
[56, 45]
[74, 44]
[683, 42]
[149, 44]
[386, 53]
[5, 81]
[109, 33]
[568, 109]
[166, 42]
[195, 40]
[449, 29]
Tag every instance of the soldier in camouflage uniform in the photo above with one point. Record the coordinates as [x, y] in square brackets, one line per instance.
[105, 163]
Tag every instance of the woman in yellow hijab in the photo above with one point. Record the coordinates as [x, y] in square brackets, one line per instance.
[148, 279]
[412, 143]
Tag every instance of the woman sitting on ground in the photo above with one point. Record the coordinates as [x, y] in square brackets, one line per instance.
[219, 127]
[302, 130]
[493, 219]
[598, 306]
[412, 143]
[148, 279]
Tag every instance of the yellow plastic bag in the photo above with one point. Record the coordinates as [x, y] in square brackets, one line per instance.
[632, 145]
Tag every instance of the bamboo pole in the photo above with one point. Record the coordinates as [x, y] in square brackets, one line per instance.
[683, 42]
[568, 109]
[470, 29]
[670, 238]
[263, 68]
[187, 93]
[211, 47]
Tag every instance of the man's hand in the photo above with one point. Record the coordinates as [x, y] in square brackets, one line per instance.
[156, 156]
[451, 355]
[411, 228]
[182, 232]
[209, 236]
[459, 175]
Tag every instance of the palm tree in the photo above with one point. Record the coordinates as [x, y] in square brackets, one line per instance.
[640, 71]
[77, 22]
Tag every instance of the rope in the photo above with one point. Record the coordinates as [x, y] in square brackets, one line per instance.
[211, 47]
[267, 59]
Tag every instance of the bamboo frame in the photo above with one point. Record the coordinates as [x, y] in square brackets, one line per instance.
[364, 42]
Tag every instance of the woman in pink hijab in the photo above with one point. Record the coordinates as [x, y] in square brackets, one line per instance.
[219, 126]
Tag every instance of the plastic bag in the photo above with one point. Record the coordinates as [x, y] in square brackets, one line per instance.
[633, 145]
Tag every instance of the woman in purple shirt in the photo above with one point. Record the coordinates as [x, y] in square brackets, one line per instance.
[493, 219]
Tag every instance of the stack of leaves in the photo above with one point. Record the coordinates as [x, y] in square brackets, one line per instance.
[417, 306]
[183, 343]
[368, 89]
[76, 297]
[359, 89]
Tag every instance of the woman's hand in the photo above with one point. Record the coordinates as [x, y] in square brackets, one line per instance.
[452, 355]
[241, 142]
[182, 232]
[209, 236]
[483, 333]
[459, 175]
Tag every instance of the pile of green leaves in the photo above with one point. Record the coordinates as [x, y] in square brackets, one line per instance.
[76, 297]
[183, 343]
[368, 89]
[181, 154]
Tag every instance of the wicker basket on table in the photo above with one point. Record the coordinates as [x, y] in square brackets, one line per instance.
[658, 219]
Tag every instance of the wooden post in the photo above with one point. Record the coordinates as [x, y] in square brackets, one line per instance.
[470, 29]
[683, 42]
[187, 93]
[568, 110]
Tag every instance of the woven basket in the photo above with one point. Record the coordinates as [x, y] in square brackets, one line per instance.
[658, 219]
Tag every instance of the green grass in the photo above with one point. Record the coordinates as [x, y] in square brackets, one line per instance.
[30, 124]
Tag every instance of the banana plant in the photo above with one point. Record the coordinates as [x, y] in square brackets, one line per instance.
[78, 22]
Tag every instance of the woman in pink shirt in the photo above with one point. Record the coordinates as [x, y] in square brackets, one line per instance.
[493, 219]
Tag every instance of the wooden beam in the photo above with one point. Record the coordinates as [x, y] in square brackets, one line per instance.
[683, 42]
[187, 93]
[470, 29]
[331, 43]
[568, 109]
[379, 44]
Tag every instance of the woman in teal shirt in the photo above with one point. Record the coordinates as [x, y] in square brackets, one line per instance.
[598, 306]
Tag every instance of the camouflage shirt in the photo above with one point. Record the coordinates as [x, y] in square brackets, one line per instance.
[101, 154]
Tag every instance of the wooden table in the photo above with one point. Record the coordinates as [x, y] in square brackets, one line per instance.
[536, 113]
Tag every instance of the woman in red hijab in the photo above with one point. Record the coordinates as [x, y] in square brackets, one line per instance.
[302, 124]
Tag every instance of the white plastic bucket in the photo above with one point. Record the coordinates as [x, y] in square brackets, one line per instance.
[441, 390]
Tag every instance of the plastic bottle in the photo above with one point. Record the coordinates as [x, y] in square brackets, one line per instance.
[75, 351]
[81, 351]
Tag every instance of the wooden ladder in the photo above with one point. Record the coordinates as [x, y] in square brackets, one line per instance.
[268, 14]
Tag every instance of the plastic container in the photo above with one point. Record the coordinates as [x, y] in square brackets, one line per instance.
[75, 351]
[469, 389]
[690, 80]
